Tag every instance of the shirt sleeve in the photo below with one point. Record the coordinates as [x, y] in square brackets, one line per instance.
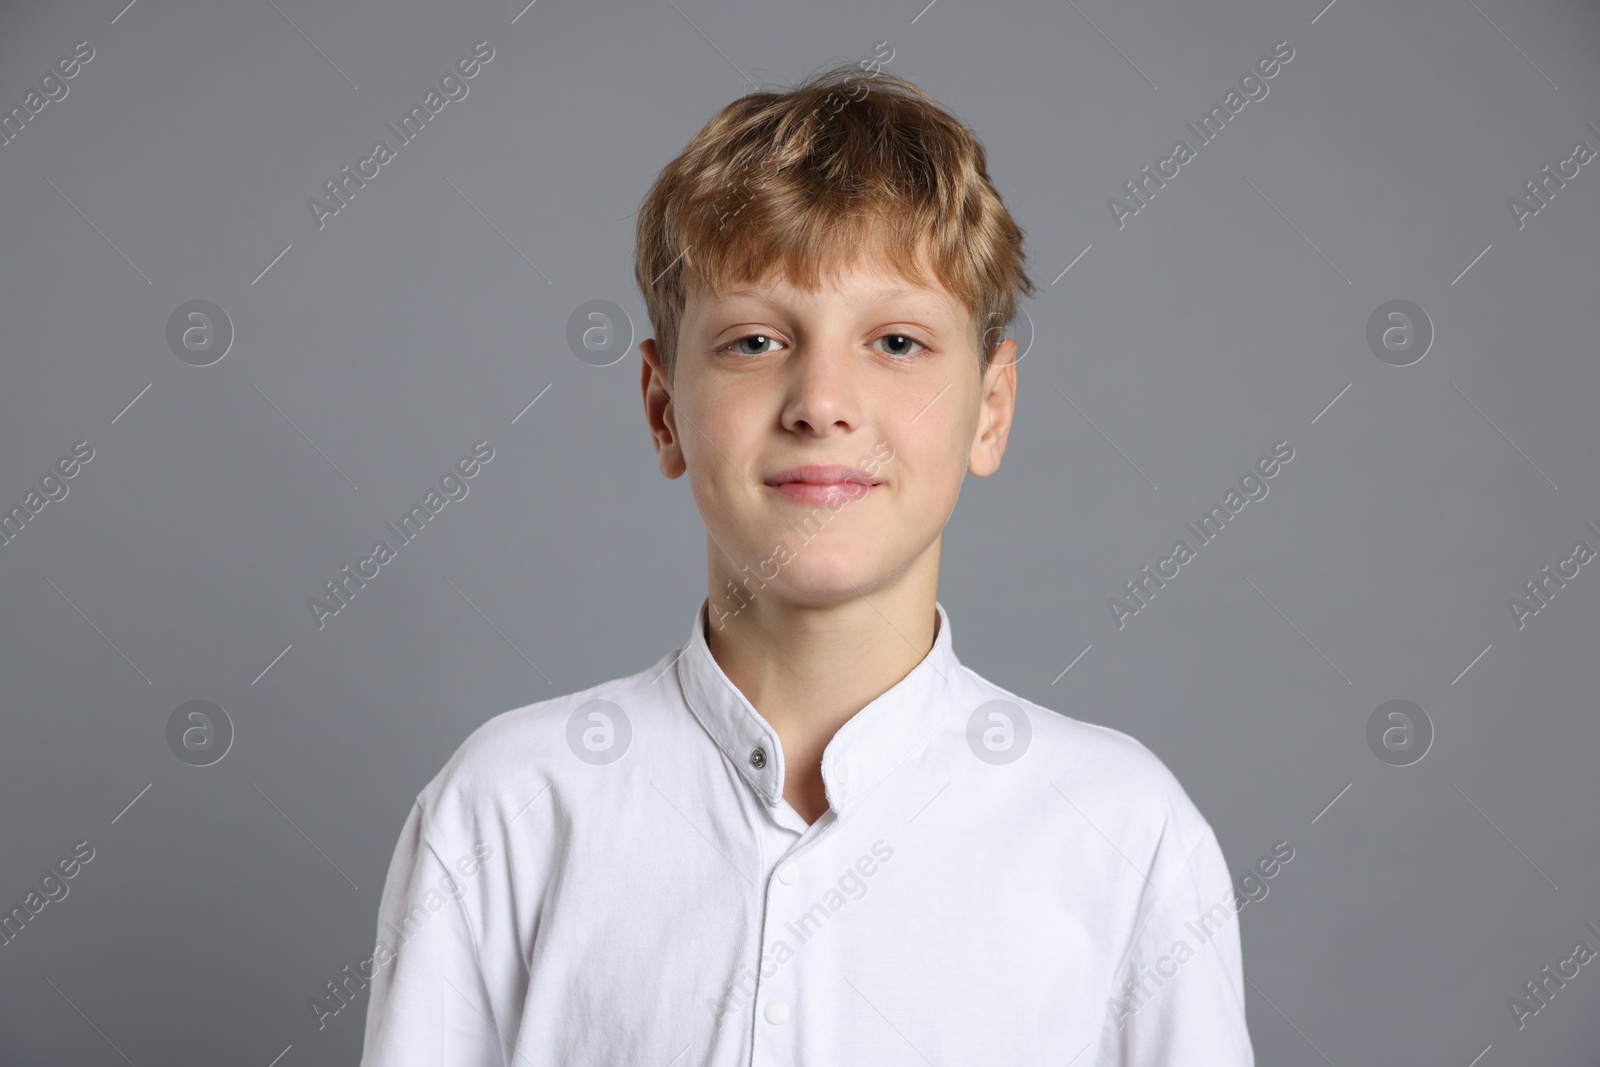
[429, 1003]
[1178, 998]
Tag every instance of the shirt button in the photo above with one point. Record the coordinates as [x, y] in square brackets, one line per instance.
[758, 758]
[788, 873]
[777, 1012]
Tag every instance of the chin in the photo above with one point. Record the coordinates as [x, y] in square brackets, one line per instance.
[838, 577]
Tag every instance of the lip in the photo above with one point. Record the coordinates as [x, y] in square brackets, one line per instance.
[821, 483]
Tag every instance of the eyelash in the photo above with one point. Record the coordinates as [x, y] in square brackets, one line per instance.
[898, 333]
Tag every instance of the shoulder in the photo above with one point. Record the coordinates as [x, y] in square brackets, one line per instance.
[1111, 777]
[507, 759]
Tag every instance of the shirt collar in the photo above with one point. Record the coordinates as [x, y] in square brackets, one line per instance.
[863, 751]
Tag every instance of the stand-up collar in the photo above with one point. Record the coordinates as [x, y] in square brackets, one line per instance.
[865, 749]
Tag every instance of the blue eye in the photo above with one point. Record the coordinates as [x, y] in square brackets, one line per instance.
[906, 339]
[757, 337]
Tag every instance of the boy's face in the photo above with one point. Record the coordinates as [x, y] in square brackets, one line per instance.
[867, 374]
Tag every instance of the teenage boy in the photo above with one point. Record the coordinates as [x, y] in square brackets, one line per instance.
[810, 836]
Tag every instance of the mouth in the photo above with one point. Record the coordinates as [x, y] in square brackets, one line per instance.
[821, 484]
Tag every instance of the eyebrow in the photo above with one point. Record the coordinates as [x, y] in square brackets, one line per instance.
[879, 295]
[754, 290]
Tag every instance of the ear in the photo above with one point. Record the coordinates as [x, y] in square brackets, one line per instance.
[658, 411]
[997, 405]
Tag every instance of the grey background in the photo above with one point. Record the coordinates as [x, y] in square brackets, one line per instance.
[1228, 315]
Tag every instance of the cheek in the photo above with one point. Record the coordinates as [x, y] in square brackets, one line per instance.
[932, 448]
[708, 476]
[718, 438]
[926, 475]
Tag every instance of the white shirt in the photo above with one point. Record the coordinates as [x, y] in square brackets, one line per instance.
[613, 877]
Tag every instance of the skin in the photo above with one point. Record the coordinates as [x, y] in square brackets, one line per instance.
[770, 377]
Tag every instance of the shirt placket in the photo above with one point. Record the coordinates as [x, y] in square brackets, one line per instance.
[776, 1040]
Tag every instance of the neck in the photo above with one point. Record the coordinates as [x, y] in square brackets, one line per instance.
[807, 666]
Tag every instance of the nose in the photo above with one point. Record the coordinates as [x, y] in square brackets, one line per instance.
[823, 389]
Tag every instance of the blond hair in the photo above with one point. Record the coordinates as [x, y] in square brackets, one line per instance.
[844, 165]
